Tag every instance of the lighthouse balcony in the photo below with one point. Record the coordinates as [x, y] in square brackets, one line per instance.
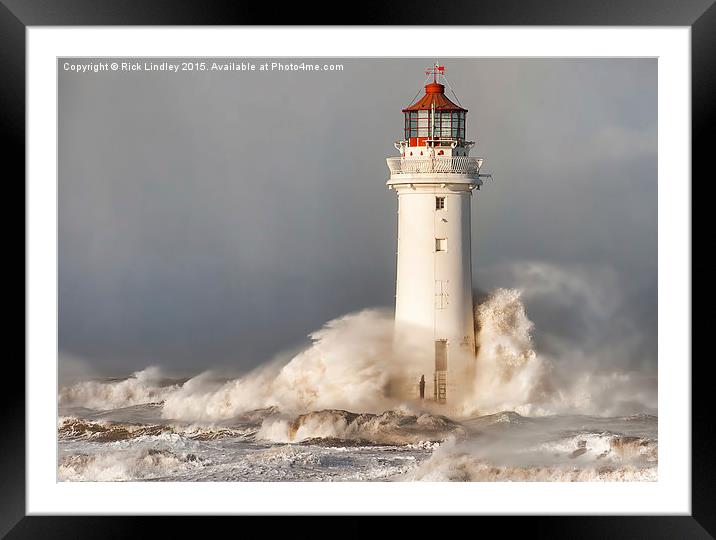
[463, 166]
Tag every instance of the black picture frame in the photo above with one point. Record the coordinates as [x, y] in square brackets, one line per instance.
[17, 15]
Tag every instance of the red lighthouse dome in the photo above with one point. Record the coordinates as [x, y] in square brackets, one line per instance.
[434, 120]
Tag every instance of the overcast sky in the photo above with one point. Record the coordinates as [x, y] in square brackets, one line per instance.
[215, 219]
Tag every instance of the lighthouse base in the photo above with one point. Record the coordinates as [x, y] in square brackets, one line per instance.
[438, 371]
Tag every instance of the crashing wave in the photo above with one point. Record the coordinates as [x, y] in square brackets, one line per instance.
[388, 428]
[142, 387]
[125, 465]
[74, 429]
[345, 368]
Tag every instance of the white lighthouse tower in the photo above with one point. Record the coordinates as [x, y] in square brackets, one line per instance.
[434, 178]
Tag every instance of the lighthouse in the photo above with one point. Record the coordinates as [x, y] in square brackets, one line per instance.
[434, 178]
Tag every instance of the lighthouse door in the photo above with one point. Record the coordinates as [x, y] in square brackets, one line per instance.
[440, 380]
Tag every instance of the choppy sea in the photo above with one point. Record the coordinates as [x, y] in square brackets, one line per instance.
[137, 443]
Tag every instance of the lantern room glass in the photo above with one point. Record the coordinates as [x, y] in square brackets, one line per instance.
[448, 124]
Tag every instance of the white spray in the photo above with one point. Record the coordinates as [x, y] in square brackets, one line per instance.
[347, 367]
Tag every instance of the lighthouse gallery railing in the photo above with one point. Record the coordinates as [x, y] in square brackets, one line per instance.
[440, 164]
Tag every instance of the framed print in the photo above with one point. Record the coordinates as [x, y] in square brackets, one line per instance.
[428, 270]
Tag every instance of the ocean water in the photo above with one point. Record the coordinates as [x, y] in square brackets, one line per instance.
[324, 415]
[136, 443]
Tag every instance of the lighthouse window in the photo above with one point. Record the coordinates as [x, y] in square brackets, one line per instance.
[442, 125]
[441, 244]
[457, 125]
[423, 121]
[439, 203]
[438, 125]
[411, 124]
[447, 124]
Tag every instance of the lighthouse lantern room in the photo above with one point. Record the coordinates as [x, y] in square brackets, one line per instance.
[434, 178]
